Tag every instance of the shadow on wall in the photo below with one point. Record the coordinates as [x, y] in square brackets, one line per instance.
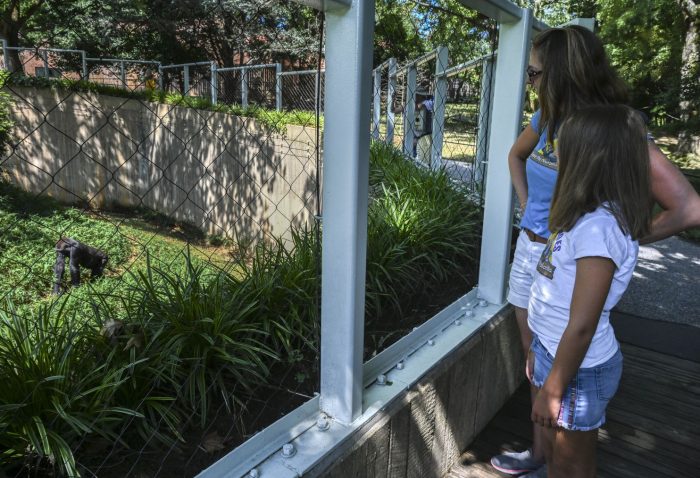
[226, 175]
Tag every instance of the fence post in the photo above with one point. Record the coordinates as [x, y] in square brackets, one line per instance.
[409, 109]
[483, 121]
[278, 86]
[214, 86]
[244, 87]
[508, 97]
[346, 171]
[45, 58]
[86, 74]
[317, 87]
[390, 102]
[160, 76]
[376, 102]
[122, 73]
[186, 79]
[5, 58]
[439, 102]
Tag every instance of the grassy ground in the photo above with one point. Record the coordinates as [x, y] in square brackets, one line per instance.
[31, 226]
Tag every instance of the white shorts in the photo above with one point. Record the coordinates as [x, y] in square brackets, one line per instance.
[522, 273]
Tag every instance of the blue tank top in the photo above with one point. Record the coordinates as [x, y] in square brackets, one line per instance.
[541, 174]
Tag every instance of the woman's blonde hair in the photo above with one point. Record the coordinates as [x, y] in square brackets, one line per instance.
[575, 73]
[603, 160]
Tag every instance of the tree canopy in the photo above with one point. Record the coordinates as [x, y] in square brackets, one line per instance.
[654, 44]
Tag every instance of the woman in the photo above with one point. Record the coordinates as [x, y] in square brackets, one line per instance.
[569, 70]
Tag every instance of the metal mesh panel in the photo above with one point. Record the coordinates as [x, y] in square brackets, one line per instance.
[434, 115]
[201, 328]
[130, 75]
[300, 90]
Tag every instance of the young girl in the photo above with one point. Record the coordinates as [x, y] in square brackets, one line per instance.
[601, 207]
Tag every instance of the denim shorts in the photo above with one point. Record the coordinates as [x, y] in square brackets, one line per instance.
[587, 395]
[522, 273]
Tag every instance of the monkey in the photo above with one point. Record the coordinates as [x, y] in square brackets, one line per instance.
[80, 255]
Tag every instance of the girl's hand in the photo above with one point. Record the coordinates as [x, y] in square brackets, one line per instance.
[545, 409]
[530, 365]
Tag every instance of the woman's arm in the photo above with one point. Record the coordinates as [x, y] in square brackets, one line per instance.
[519, 152]
[593, 279]
[675, 195]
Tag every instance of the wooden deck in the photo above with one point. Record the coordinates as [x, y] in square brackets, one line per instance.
[653, 427]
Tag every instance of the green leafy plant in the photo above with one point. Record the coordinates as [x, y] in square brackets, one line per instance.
[55, 390]
[201, 335]
[422, 231]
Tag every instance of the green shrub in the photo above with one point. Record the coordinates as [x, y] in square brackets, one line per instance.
[422, 231]
[201, 335]
[55, 391]
[284, 279]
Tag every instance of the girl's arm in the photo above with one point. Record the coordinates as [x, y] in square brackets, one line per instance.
[593, 279]
[519, 152]
[673, 192]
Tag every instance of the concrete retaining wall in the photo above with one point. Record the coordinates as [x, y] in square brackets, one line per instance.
[423, 433]
[224, 174]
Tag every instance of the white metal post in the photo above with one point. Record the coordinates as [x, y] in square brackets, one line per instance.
[5, 58]
[484, 117]
[244, 87]
[348, 73]
[376, 102]
[186, 79]
[84, 64]
[390, 102]
[278, 86]
[45, 58]
[317, 87]
[439, 102]
[508, 97]
[214, 86]
[122, 74]
[409, 109]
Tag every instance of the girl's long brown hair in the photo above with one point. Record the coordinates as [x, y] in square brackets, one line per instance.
[603, 160]
[575, 74]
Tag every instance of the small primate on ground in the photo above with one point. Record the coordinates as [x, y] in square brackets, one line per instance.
[80, 255]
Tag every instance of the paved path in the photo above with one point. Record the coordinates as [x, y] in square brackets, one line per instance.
[666, 283]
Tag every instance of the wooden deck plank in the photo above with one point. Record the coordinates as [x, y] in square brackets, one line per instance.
[652, 431]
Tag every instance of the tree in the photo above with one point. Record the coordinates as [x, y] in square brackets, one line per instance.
[689, 104]
[396, 31]
[14, 19]
[644, 41]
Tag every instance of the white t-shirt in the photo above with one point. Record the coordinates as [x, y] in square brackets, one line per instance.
[596, 234]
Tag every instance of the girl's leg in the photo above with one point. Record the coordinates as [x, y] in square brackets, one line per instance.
[573, 454]
[526, 340]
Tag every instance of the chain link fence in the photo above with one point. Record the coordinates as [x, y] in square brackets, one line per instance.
[185, 316]
[301, 88]
[160, 297]
[436, 114]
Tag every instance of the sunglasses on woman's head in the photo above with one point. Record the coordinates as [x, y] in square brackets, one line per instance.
[532, 73]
